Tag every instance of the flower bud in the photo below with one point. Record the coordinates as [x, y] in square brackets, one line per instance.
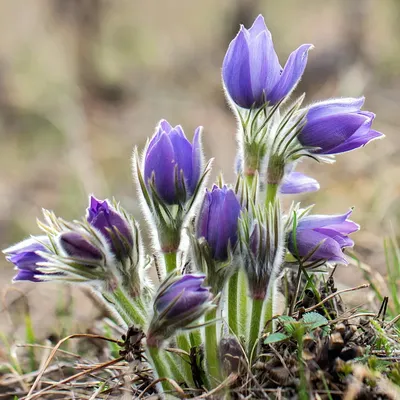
[251, 70]
[296, 182]
[337, 126]
[322, 237]
[25, 257]
[262, 245]
[179, 302]
[172, 164]
[218, 220]
[75, 245]
[113, 225]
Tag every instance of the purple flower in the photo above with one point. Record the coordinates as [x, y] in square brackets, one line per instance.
[112, 225]
[217, 221]
[251, 70]
[174, 163]
[296, 182]
[25, 258]
[337, 126]
[77, 246]
[325, 236]
[178, 303]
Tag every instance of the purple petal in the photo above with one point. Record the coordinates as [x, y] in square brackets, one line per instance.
[165, 126]
[204, 216]
[264, 66]
[197, 160]
[328, 248]
[342, 240]
[258, 26]
[291, 74]
[359, 139]
[296, 182]
[236, 71]
[182, 154]
[320, 221]
[345, 227]
[25, 275]
[75, 245]
[160, 159]
[335, 106]
[329, 132]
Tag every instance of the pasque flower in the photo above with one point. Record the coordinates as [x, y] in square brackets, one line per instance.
[323, 237]
[179, 302]
[337, 126]
[25, 257]
[113, 226]
[218, 220]
[173, 162]
[251, 71]
[76, 245]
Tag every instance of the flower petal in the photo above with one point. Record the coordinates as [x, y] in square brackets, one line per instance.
[197, 159]
[331, 131]
[296, 182]
[335, 106]
[320, 221]
[291, 74]
[160, 159]
[236, 71]
[258, 26]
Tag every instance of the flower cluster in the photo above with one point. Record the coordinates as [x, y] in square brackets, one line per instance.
[219, 252]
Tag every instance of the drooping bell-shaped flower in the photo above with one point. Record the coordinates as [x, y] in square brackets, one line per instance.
[25, 257]
[322, 237]
[178, 303]
[251, 70]
[338, 125]
[172, 164]
[113, 225]
[218, 220]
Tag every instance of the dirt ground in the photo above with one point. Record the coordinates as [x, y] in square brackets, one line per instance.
[81, 83]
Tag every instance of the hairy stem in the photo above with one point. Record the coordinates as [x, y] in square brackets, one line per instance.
[211, 348]
[170, 261]
[272, 190]
[255, 324]
[233, 303]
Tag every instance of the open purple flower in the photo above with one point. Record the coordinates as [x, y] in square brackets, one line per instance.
[251, 71]
[173, 162]
[112, 224]
[179, 302]
[337, 126]
[217, 221]
[323, 236]
[296, 182]
[25, 258]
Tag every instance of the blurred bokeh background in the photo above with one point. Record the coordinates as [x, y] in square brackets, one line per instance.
[83, 81]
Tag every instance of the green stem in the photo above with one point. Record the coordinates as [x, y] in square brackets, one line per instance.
[174, 366]
[211, 348]
[170, 261]
[272, 190]
[243, 301]
[255, 323]
[269, 307]
[249, 180]
[159, 365]
[233, 303]
[127, 309]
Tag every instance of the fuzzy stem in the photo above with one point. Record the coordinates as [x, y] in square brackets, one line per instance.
[255, 323]
[211, 347]
[272, 190]
[127, 309]
[243, 301]
[160, 368]
[269, 309]
[170, 261]
[233, 303]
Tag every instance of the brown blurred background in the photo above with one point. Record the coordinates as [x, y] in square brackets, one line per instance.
[83, 81]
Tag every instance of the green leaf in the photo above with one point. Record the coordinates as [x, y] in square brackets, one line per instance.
[314, 320]
[275, 338]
